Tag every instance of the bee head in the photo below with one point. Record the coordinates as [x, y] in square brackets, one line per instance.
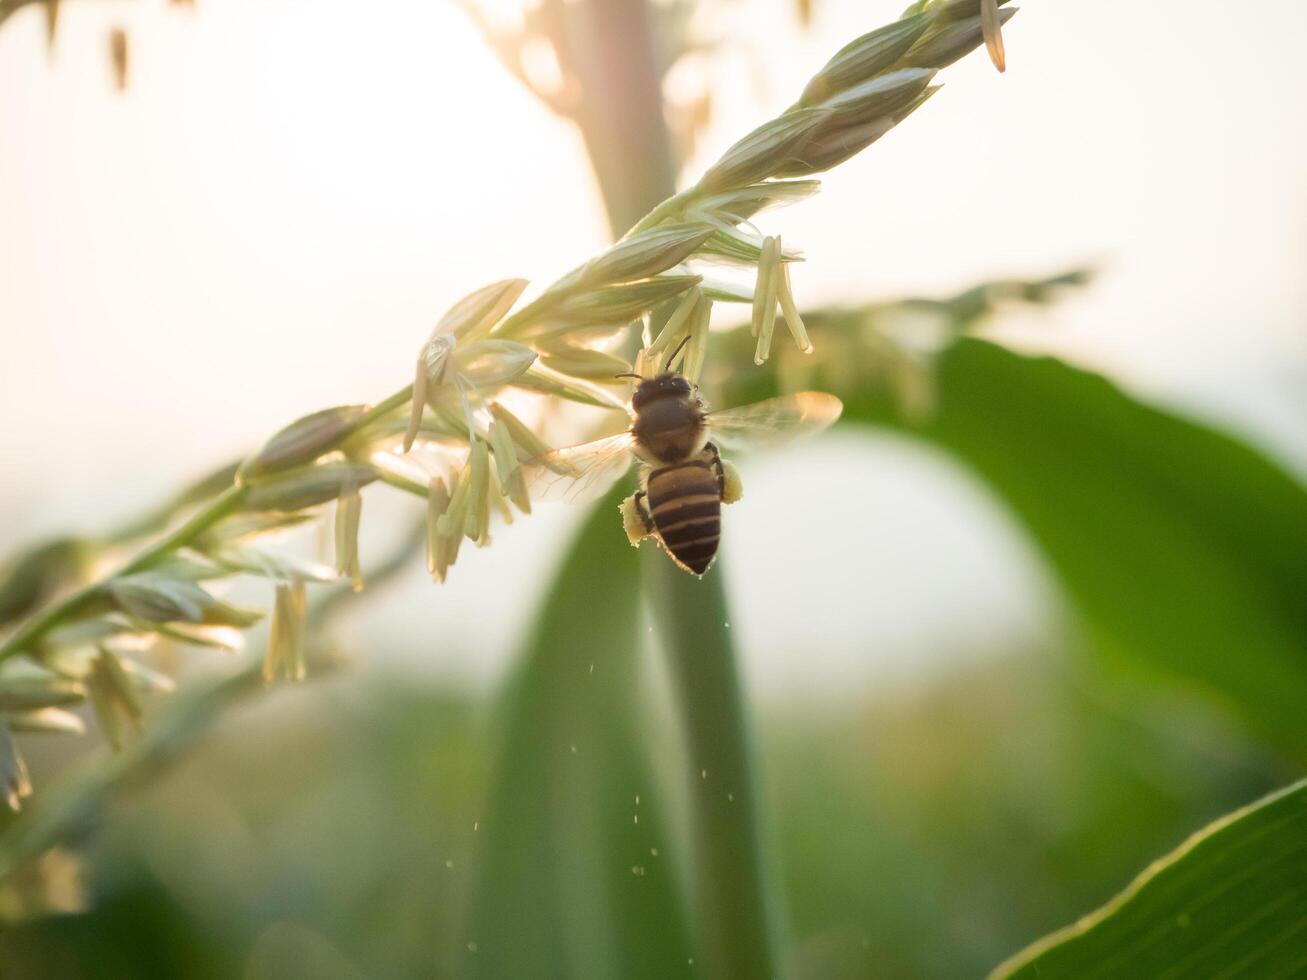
[665, 385]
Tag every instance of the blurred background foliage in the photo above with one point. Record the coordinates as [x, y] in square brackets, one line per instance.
[925, 833]
[374, 823]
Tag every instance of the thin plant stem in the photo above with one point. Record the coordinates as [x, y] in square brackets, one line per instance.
[35, 628]
[739, 910]
[739, 922]
[223, 505]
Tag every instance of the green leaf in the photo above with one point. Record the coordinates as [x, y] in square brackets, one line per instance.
[1181, 548]
[1230, 901]
[568, 882]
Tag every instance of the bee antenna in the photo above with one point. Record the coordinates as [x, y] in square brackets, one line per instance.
[679, 347]
[630, 374]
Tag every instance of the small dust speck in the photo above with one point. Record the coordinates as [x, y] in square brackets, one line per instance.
[573, 750]
[637, 870]
[476, 825]
[727, 625]
[730, 797]
[449, 863]
[592, 668]
[703, 773]
[653, 852]
[637, 799]
[471, 947]
[635, 818]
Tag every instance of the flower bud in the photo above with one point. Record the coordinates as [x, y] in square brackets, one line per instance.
[307, 487]
[550, 382]
[955, 9]
[762, 152]
[617, 304]
[584, 362]
[156, 598]
[478, 312]
[865, 58]
[745, 202]
[38, 691]
[838, 141]
[47, 721]
[940, 48]
[305, 440]
[877, 97]
[644, 254]
[488, 363]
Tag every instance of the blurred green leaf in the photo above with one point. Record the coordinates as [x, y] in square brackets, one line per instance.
[1181, 548]
[1227, 902]
[570, 883]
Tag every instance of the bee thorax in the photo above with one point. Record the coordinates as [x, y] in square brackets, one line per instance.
[668, 430]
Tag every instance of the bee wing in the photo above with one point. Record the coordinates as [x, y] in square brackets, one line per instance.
[577, 473]
[774, 422]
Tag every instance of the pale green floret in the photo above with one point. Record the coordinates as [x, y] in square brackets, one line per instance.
[587, 363]
[47, 721]
[349, 513]
[305, 440]
[676, 324]
[491, 363]
[764, 298]
[697, 351]
[15, 783]
[437, 504]
[297, 490]
[643, 254]
[113, 697]
[284, 655]
[791, 311]
[479, 311]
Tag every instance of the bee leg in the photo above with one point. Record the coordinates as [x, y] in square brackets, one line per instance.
[728, 479]
[636, 519]
[642, 508]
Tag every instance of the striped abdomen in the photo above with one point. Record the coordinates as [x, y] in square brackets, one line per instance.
[685, 502]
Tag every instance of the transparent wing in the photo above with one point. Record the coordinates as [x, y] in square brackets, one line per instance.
[774, 422]
[577, 473]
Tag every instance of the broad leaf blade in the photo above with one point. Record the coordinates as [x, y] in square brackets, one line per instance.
[1230, 901]
[569, 882]
[1181, 548]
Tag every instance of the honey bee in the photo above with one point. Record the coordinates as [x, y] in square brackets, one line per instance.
[683, 478]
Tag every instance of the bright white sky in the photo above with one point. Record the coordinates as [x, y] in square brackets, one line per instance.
[289, 194]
